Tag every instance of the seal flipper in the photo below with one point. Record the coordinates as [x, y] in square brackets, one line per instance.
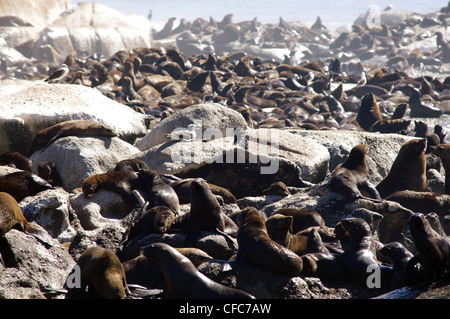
[371, 190]
[228, 238]
[138, 291]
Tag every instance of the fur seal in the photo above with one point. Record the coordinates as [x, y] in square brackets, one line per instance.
[121, 182]
[205, 213]
[134, 165]
[102, 272]
[356, 239]
[256, 247]
[279, 230]
[47, 170]
[184, 280]
[400, 258]
[350, 177]
[11, 216]
[157, 219]
[408, 171]
[419, 109]
[302, 218]
[433, 249]
[143, 271]
[369, 112]
[443, 151]
[425, 202]
[22, 184]
[69, 128]
[182, 187]
[158, 192]
[16, 160]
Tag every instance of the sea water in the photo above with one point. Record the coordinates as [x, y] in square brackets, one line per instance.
[334, 13]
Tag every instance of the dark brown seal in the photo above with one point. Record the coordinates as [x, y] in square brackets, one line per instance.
[205, 213]
[433, 249]
[69, 128]
[369, 112]
[256, 247]
[350, 177]
[102, 273]
[121, 182]
[134, 165]
[184, 280]
[356, 239]
[11, 216]
[47, 170]
[400, 258]
[408, 171]
[157, 220]
[158, 192]
[22, 184]
[182, 187]
[16, 160]
[302, 218]
[279, 230]
[425, 202]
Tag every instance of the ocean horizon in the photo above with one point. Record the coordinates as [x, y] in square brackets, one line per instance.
[334, 14]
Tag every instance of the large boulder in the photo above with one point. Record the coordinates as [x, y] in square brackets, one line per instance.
[204, 116]
[25, 112]
[77, 158]
[32, 267]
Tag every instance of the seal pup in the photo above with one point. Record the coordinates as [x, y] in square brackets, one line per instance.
[156, 219]
[350, 177]
[433, 249]
[69, 128]
[279, 230]
[400, 258]
[121, 182]
[22, 184]
[58, 74]
[158, 192]
[258, 249]
[205, 213]
[182, 187]
[11, 216]
[183, 280]
[408, 171]
[47, 170]
[302, 218]
[356, 239]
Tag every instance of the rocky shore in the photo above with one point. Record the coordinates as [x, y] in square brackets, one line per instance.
[267, 112]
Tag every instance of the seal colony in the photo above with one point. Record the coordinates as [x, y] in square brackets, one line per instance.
[194, 239]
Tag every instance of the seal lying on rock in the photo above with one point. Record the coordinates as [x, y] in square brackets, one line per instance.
[69, 128]
[22, 184]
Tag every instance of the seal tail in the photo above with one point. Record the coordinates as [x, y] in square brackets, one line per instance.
[229, 239]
